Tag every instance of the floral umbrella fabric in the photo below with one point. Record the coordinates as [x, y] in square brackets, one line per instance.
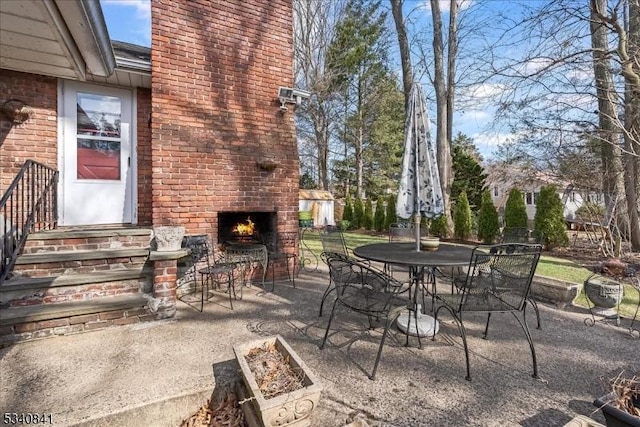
[420, 192]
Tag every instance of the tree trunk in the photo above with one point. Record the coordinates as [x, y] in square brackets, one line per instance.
[631, 158]
[444, 149]
[452, 52]
[322, 142]
[405, 53]
[359, 138]
[612, 178]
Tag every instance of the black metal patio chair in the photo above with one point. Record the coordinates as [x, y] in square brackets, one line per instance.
[368, 291]
[217, 273]
[498, 281]
[282, 247]
[334, 246]
[524, 235]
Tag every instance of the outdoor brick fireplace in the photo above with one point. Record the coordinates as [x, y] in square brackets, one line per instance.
[214, 130]
[245, 226]
[221, 150]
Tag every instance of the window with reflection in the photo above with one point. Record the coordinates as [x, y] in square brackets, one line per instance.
[98, 136]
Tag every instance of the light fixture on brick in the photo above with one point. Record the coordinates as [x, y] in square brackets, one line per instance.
[288, 95]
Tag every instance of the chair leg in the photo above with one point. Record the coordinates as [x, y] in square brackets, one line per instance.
[382, 340]
[486, 327]
[534, 304]
[292, 276]
[525, 328]
[273, 275]
[326, 334]
[231, 288]
[463, 334]
[326, 293]
[202, 287]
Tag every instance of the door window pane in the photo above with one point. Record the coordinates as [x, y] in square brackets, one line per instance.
[98, 159]
[98, 136]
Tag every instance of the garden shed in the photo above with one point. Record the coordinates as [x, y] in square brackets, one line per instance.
[320, 204]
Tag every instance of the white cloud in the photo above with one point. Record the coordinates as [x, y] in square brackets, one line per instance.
[486, 139]
[474, 116]
[142, 7]
[445, 5]
[534, 65]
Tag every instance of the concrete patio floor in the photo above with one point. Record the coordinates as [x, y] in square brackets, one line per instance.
[157, 373]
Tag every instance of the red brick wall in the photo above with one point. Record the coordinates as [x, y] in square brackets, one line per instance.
[36, 138]
[144, 156]
[217, 66]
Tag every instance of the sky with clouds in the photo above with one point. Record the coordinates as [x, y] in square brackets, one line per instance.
[130, 21]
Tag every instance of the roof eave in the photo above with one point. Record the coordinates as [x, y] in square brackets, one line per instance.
[85, 22]
[133, 65]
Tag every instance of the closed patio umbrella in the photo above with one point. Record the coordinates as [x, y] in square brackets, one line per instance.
[420, 193]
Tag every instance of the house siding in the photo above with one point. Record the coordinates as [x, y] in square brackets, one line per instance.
[37, 138]
[216, 69]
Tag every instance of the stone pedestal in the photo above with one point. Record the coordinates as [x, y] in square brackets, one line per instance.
[165, 269]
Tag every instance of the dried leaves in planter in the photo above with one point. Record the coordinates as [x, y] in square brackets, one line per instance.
[625, 392]
[273, 372]
[227, 414]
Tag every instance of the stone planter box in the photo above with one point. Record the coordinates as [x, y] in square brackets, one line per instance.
[289, 409]
[616, 417]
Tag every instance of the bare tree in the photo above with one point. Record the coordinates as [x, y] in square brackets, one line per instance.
[314, 26]
[443, 84]
[405, 53]
[567, 71]
[628, 52]
[606, 93]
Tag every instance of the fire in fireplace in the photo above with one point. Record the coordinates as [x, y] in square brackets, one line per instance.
[245, 226]
[244, 229]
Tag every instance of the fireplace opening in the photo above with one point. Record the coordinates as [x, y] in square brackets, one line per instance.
[247, 227]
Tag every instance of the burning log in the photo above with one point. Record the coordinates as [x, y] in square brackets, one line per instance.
[247, 229]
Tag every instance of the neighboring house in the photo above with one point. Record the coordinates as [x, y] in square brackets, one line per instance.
[501, 179]
[172, 135]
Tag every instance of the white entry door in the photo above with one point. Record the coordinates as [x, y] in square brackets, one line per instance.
[96, 151]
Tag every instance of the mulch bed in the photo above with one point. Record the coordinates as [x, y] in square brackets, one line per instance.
[227, 413]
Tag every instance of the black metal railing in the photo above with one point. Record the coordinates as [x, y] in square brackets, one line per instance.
[29, 204]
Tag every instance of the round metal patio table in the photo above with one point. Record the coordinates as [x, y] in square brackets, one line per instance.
[420, 263]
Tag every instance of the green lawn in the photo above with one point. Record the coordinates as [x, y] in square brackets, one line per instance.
[557, 268]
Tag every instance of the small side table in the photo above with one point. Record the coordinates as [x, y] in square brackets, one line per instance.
[254, 252]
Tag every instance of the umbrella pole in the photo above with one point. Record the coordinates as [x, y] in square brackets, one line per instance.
[416, 180]
[417, 231]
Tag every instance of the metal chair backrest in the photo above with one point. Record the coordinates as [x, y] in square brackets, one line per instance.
[201, 250]
[499, 277]
[287, 241]
[402, 233]
[333, 242]
[362, 288]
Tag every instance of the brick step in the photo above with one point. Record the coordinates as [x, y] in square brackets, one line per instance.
[38, 321]
[85, 261]
[22, 291]
[87, 239]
